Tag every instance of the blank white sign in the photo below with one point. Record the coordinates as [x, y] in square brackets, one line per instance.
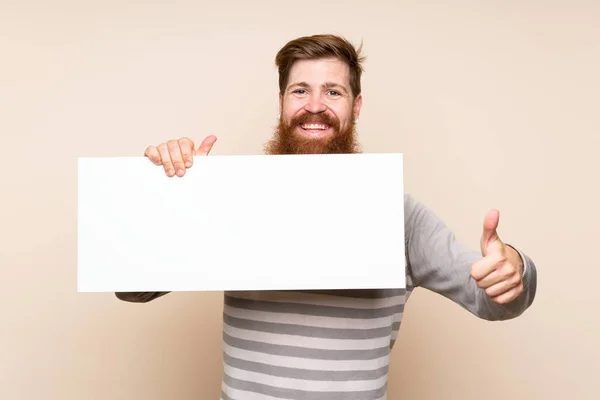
[254, 222]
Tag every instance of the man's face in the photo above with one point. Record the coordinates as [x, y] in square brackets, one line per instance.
[317, 110]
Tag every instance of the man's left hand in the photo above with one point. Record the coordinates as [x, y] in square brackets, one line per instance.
[500, 272]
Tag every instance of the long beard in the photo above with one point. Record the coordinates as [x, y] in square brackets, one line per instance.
[286, 139]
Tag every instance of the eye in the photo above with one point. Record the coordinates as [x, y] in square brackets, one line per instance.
[299, 91]
[333, 93]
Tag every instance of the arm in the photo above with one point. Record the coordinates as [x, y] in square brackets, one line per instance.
[436, 261]
[139, 297]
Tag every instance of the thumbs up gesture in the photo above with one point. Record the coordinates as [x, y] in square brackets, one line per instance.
[500, 271]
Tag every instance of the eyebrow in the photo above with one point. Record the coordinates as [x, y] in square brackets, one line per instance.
[326, 85]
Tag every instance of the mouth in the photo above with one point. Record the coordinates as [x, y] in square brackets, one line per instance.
[315, 130]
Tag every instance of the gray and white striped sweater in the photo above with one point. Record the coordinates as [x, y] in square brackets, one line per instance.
[329, 345]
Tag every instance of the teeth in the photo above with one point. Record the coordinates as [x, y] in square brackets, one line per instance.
[314, 126]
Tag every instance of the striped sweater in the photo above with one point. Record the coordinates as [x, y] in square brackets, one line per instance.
[329, 345]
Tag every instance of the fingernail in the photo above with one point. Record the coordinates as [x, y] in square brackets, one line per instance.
[188, 164]
[170, 172]
[179, 172]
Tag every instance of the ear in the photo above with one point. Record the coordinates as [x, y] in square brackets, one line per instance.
[357, 105]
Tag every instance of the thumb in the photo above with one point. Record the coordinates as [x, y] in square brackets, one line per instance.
[205, 146]
[489, 237]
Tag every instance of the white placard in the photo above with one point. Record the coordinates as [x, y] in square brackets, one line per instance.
[253, 222]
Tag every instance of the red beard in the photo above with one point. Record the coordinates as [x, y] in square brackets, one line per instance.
[287, 140]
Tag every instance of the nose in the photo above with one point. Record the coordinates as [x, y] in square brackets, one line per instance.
[315, 104]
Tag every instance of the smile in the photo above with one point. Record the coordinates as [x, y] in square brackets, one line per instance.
[310, 127]
[315, 130]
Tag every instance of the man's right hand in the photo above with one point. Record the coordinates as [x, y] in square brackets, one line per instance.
[177, 155]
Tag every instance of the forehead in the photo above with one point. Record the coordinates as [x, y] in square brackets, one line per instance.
[316, 72]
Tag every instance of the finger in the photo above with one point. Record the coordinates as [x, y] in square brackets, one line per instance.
[206, 146]
[187, 151]
[509, 296]
[176, 157]
[484, 267]
[490, 226]
[503, 270]
[153, 154]
[502, 287]
[166, 159]
[491, 279]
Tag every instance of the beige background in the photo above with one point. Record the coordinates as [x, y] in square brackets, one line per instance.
[493, 103]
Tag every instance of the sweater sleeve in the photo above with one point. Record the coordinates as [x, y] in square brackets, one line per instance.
[436, 261]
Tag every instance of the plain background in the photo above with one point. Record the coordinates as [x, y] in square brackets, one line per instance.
[493, 103]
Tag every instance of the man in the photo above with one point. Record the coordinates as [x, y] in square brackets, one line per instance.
[336, 344]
